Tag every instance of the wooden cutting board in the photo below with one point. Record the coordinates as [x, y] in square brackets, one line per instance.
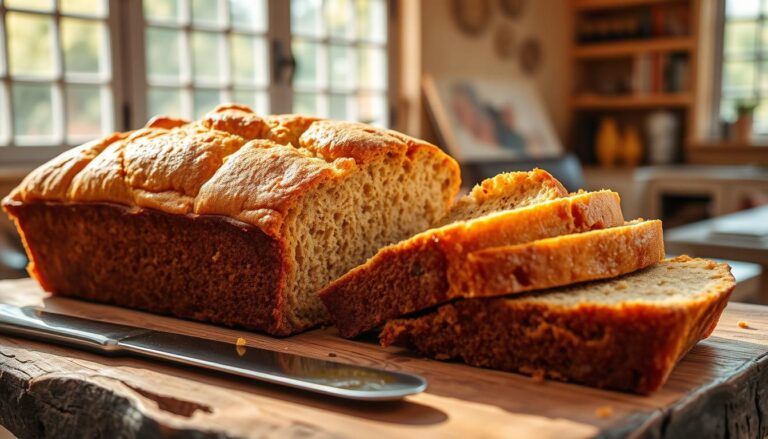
[719, 389]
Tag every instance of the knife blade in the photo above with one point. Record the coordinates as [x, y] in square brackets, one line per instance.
[311, 374]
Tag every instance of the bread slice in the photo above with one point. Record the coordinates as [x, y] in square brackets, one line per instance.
[236, 218]
[625, 333]
[562, 260]
[427, 269]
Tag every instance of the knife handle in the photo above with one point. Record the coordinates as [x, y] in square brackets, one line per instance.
[87, 334]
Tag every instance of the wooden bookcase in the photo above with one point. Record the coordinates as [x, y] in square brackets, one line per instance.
[630, 59]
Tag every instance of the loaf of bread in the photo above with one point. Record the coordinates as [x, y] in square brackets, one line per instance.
[430, 268]
[235, 219]
[625, 333]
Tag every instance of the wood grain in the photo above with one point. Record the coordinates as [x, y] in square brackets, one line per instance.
[718, 390]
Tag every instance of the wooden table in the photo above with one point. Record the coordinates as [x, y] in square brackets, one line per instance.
[696, 239]
[719, 389]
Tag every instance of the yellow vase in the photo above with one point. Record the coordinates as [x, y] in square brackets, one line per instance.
[632, 148]
[607, 142]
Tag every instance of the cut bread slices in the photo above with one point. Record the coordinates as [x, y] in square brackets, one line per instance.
[426, 269]
[562, 260]
[625, 333]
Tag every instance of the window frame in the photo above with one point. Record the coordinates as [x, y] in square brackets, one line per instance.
[759, 57]
[13, 153]
[129, 83]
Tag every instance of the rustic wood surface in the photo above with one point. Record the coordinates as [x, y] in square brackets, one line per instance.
[720, 389]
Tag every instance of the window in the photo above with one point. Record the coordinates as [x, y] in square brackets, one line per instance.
[341, 52]
[200, 53]
[72, 70]
[745, 62]
[55, 69]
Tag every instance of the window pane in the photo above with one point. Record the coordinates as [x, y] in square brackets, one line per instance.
[340, 106]
[310, 104]
[310, 64]
[206, 50]
[84, 7]
[38, 5]
[205, 100]
[164, 101]
[83, 46]
[84, 111]
[257, 100]
[30, 44]
[33, 112]
[338, 15]
[208, 12]
[760, 126]
[372, 108]
[163, 10]
[342, 67]
[250, 62]
[742, 8]
[163, 47]
[371, 20]
[728, 109]
[738, 76]
[5, 113]
[372, 68]
[740, 37]
[248, 14]
[3, 65]
[307, 17]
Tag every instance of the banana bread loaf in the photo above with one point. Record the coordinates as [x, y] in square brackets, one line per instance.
[625, 333]
[428, 269]
[235, 219]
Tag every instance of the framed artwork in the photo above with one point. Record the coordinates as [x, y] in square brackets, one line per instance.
[483, 120]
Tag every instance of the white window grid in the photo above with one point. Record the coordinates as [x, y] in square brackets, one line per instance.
[226, 86]
[18, 146]
[323, 91]
[125, 84]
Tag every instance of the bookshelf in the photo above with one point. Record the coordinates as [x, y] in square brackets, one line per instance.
[632, 59]
[678, 100]
[632, 47]
[586, 5]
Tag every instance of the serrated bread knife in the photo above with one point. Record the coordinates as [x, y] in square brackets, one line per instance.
[311, 374]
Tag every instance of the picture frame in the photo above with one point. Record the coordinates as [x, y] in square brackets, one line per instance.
[490, 120]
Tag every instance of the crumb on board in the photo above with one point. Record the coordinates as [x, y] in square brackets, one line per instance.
[240, 341]
[240, 350]
[538, 376]
[604, 411]
[331, 354]
[742, 324]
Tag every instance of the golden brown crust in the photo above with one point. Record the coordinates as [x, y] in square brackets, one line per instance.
[426, 269]
[259, 183]
[629, 345]
[52, 180]
[561, 260]
[165, 165]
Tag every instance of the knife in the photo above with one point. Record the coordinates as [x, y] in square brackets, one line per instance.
[311, 374]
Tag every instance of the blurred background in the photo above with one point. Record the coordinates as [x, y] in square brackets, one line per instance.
[664, 101]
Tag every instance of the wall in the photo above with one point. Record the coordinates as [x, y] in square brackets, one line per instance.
[446, 50]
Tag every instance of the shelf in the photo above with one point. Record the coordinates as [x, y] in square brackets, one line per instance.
[631, 101]
[632, 47]
[586, 5]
